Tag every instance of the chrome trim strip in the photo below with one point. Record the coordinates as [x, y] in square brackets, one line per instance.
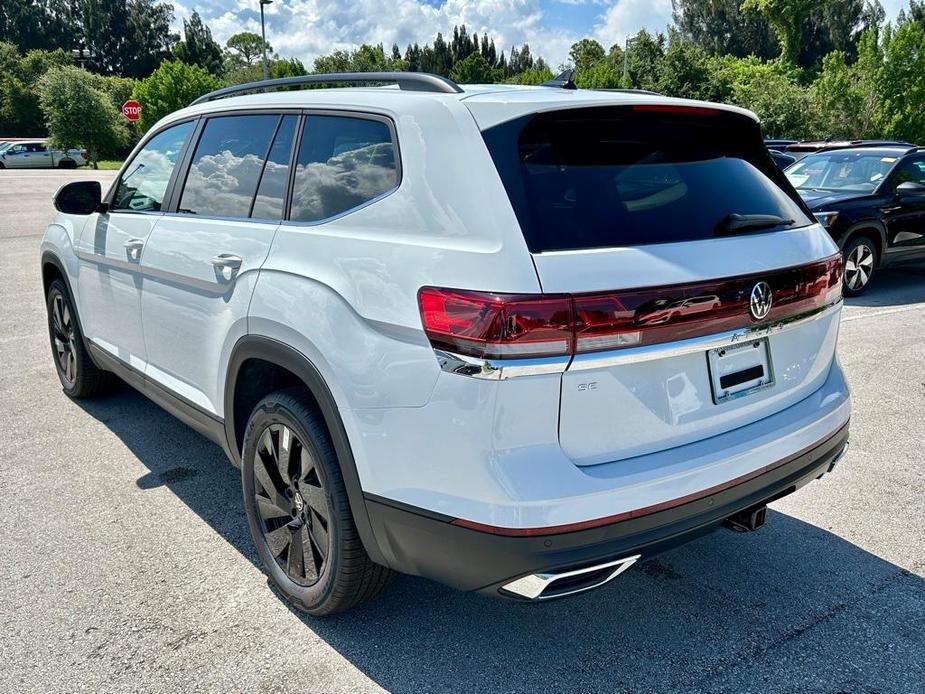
[500, 369]
[665, 350]
[533, 586]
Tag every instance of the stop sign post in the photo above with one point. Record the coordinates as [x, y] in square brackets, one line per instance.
[131, 110]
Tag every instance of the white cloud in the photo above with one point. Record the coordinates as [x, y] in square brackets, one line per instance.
[627, 17]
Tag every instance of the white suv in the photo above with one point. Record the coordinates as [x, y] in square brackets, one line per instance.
[513, 339]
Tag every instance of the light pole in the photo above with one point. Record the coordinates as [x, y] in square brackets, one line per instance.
[626, 55]
[263, 36]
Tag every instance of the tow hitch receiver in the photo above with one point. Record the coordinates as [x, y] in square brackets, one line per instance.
[748, 520]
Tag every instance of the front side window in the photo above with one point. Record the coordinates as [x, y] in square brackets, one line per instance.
[144, 183]
[343, 163]
[910, 172]
[227, 164]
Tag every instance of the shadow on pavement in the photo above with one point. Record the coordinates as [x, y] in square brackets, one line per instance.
[792, 607]
[894, 287]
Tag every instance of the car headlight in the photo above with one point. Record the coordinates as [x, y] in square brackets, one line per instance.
[826, 219]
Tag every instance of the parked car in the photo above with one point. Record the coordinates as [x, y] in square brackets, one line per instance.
[35, 154]
[802, 148]
[872, 201]
[411, 317]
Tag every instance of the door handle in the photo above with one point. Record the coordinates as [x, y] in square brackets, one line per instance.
[133, 249]
[226, 266]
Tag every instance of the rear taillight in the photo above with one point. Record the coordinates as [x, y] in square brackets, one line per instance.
[85, 154]
[509, 326]
[489, 325]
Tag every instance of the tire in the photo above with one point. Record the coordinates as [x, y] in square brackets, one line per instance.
[67, 164]
[79, 376]
[860, 265]
[298, 511]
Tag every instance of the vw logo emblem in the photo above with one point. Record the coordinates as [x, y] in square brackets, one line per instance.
[760, 303]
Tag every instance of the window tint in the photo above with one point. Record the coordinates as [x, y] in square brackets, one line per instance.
[911, 171]
[343, 162]
[145, 180]
[272, 189]
[610, 177]
[226, 166]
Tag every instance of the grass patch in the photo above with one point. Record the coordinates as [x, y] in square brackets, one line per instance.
[110, 164]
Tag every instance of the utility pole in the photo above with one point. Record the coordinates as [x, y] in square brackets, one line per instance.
[263, 36]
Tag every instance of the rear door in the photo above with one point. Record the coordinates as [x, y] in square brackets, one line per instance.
[688, 257]
[200, 265]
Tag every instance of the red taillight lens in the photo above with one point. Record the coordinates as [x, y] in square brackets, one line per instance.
[489, 325]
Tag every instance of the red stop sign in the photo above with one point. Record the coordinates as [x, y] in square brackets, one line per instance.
[131, 110]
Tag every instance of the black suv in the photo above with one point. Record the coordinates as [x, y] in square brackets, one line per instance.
[871, 200]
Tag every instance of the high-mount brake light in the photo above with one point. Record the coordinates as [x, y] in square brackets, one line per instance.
[511, 326]
[670, 108]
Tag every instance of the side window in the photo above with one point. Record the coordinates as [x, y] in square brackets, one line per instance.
[913, 170]
[16, 149]
[227, 164]
[343, 162]
[142, 186]
[272, 189]
[38, 147]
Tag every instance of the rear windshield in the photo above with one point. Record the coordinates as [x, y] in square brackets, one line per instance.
[615, 176]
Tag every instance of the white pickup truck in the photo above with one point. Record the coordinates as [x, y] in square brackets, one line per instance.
[35, 154]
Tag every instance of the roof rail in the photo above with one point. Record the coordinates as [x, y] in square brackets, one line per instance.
[410, 81]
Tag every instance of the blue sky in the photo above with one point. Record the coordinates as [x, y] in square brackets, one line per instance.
[307, 28]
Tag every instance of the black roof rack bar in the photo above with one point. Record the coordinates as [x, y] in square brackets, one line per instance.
[410, 81]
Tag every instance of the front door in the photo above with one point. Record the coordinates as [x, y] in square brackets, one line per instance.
[112, 243]
[905, 215]
[201, 263]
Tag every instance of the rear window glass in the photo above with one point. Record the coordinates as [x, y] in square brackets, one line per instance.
[610, 177]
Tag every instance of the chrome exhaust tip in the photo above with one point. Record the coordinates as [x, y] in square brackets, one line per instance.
[546, 586]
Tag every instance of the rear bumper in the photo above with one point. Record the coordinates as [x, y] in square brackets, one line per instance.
[423, 543]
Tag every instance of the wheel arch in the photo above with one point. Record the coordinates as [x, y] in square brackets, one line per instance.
[271, 365]
[871, 229]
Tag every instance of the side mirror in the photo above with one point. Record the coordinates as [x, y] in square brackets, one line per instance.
[910, 190]
[79, 197]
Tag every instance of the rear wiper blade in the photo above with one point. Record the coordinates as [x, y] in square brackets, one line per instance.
[737, 223]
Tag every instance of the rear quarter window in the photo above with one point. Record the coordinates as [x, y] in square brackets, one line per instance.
[612, 176]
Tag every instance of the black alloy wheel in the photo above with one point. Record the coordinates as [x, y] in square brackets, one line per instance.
[290, 497]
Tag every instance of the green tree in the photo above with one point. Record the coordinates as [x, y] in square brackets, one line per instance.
[901, 80]
[474, 69]
[171, 87]
[773, 91]
[198, 47]
[126, 37]
[20, 113]
[722, 27]
[533, 75]
[787, 18]
[42, 24]
[585, 54]
[644, 60]
[686, 71]
[78, 114]
[246, 49]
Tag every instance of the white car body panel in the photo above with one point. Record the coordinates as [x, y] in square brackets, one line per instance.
[518, 453]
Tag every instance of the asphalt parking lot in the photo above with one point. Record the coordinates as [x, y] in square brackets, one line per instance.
[126, 565]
